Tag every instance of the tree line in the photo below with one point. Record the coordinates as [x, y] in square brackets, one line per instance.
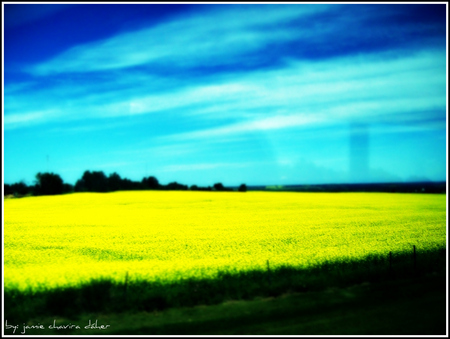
[97, 181]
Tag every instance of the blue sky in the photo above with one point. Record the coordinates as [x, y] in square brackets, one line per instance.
[260, 94]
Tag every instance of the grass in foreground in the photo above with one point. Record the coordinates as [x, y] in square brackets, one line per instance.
[140, 295]
[414, 306]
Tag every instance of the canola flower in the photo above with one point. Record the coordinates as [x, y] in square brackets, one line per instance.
[69, 239]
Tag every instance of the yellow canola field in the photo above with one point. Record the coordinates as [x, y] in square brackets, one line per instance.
[168, 235]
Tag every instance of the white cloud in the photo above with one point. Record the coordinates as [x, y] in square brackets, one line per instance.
[205, 166]
[270, 123]
[380, 88]
[18, 120]
[213, 37]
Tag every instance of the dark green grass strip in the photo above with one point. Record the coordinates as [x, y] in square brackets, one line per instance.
[414, 306]
[112, 297]
[406, 307]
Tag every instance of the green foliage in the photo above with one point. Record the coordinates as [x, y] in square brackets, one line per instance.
[220, 187]
[95, 181]
[49, 184]
[242, 188]
[18, 189]
[151, 183]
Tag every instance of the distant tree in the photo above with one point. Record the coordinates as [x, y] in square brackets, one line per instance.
[197, 188]
[150, 183]
[18, 189]
[219, 187]
[7, 190]
[242, 188]
[92, 182]
[80, 186]
[67, 188]
[175, 186]
[48, 184]
[114, 182]
[129, 185]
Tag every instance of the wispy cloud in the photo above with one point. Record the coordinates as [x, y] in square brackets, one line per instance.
[404, 90]
[29, 118]
[224, 35]
[270, 123]
[203, 166]
[297, 92]
[383, 86]
[195, 40]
